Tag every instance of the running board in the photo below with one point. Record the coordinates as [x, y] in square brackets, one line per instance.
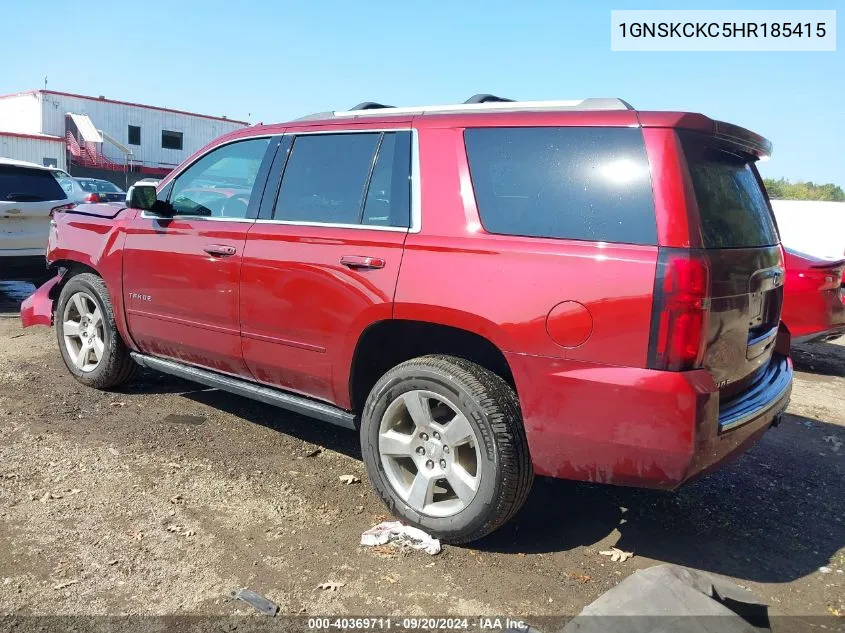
[238, 386]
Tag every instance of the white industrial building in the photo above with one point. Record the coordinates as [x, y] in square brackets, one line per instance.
[86, 135]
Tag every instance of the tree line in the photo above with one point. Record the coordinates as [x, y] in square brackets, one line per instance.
[784, 189]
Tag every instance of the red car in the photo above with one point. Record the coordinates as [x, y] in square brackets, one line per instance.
[814, 297]
[485, 291]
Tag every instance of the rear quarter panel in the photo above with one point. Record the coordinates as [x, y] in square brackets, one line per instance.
[504, 287]
[96, 241]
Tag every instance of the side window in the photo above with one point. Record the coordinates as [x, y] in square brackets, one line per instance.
[351, 178]
[220, 184]
[579, 183]
[389, 194]
[326, 178]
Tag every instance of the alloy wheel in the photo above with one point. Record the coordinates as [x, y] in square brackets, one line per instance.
[430, 453]
[82, 327]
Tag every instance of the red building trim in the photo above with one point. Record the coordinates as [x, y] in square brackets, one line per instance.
[125, 103]
[38, 137]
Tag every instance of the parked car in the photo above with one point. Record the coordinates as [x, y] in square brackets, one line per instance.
[59, 173]
[485, 291]
[29, 195]
[814, 297]
[92, 190]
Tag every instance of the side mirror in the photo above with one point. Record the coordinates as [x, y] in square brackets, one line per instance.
[143, 196]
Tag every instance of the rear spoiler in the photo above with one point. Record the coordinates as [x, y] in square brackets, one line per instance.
[749, 143]
[752, 143]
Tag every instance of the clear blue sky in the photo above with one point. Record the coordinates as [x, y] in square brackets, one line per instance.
[274, 60]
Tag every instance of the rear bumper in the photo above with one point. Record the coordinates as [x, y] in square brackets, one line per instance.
[22, 267]
[639, 427]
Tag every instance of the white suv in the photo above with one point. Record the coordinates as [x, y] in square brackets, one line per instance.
[28, 195]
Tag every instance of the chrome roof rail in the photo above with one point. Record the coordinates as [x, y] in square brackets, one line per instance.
[477, 103]
[496, 106]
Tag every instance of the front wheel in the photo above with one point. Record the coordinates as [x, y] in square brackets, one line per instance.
[445, 448]
[88, 338]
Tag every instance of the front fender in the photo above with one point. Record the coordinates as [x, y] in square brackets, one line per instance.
[37, 309]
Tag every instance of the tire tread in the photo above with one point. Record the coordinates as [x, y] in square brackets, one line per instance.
[500, 406]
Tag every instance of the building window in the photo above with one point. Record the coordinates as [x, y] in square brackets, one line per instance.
[50, 162]
[134, 134]
[171, 140]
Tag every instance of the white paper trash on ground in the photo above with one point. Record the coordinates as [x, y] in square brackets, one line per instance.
[389, 531]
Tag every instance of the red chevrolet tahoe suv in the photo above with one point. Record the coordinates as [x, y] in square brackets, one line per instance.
[485, 291]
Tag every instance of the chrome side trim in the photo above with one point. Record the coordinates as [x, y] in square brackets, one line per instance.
[151, 216]
[416, 185]
[346, 130]
[333, 225]
[768, 395]
[297, 404]
[496, 106]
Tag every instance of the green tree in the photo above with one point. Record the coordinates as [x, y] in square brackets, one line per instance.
[783, 189]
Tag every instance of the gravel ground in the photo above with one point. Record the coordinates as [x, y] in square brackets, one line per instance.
[116, 503]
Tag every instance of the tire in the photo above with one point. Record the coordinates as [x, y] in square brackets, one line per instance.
[480, 482]
[114, 365]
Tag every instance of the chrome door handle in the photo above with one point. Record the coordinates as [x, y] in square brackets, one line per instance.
[220, 250]
[360, 261]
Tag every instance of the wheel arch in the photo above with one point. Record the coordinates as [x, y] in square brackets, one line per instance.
[70, 268]
[384, 344]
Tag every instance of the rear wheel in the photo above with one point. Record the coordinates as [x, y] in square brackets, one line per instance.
[88, 338]
[445, 448]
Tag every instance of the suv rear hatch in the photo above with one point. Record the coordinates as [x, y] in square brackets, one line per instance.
[741, 245]
[718, 305]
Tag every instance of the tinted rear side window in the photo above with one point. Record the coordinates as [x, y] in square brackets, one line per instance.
[325, 179]
[360, 178]
[20, 184]
[731, 202]
[563, 182]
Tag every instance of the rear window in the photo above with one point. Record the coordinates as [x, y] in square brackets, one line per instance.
[731, 201]
[563, 182]
[99, 186]
[21, 184]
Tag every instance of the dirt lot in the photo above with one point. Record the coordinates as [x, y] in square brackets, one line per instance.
[108, 506]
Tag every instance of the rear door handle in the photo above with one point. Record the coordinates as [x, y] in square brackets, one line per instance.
[220, 250]
[361, 261]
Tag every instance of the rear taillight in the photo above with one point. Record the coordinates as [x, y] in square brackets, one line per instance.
[60, 208]
[92, 197]
[680, 310]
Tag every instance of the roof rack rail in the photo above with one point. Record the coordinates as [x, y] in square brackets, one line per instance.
[487, 98]
[370, 105]
[480, 103]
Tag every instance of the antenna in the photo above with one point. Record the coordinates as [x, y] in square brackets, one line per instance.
[45, 82]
